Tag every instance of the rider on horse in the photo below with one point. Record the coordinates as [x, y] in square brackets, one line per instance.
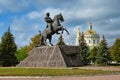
[53, 26]
[49, 22]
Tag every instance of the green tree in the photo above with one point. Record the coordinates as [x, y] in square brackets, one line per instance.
[115, 51]
[22, 53]
[34, 42]
[93, 54]
[84, 51]
[8, 50]
[103, 54]
[60, 40]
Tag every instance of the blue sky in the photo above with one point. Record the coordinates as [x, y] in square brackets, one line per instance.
[26, 18]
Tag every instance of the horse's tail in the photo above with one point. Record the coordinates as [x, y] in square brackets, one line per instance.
[39, 44]
[39, 39]
[39, 32]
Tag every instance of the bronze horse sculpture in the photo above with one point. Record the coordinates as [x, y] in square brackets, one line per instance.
[49, 31]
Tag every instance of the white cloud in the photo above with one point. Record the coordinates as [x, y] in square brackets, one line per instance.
[22, 39]
[108, 27]
[52, 11]
[113, 20]
[13, 5]
[23, 31]
[36, 26]
[34, 15]
[82, 13]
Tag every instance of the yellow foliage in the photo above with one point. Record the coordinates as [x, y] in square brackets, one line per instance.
[34, 41]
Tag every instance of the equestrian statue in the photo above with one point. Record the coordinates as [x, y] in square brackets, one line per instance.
[53, 27]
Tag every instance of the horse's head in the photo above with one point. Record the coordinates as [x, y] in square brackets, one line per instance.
[60, 17]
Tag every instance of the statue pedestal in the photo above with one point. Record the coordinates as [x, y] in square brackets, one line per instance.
[52, 56]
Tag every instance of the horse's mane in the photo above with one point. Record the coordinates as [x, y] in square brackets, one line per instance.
[55, 17]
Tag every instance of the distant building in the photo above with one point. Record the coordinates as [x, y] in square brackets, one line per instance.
[78, 37]
[91, 37]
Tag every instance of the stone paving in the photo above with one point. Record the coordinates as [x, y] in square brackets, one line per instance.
[109, 68]
[98, 77]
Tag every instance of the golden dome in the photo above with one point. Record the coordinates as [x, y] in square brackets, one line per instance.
[90, 32]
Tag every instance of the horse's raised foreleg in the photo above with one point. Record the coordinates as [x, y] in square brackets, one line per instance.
[62, 30]
[66, 30]
[57, 33]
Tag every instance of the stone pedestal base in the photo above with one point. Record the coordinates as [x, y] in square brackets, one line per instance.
[52, 56]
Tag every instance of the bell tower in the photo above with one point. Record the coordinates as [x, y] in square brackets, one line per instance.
[78, 36]
[90, 24]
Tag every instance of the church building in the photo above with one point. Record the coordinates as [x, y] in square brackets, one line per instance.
[91, 37]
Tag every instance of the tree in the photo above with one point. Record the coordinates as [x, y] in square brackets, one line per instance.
[84, 51]
[34, 42]
[60, 41]
[93, 53]
[22, 53]
[103, 54]
[8, 50]
[115, 51]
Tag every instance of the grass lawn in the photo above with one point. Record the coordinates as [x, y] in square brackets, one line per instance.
[51, 72]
